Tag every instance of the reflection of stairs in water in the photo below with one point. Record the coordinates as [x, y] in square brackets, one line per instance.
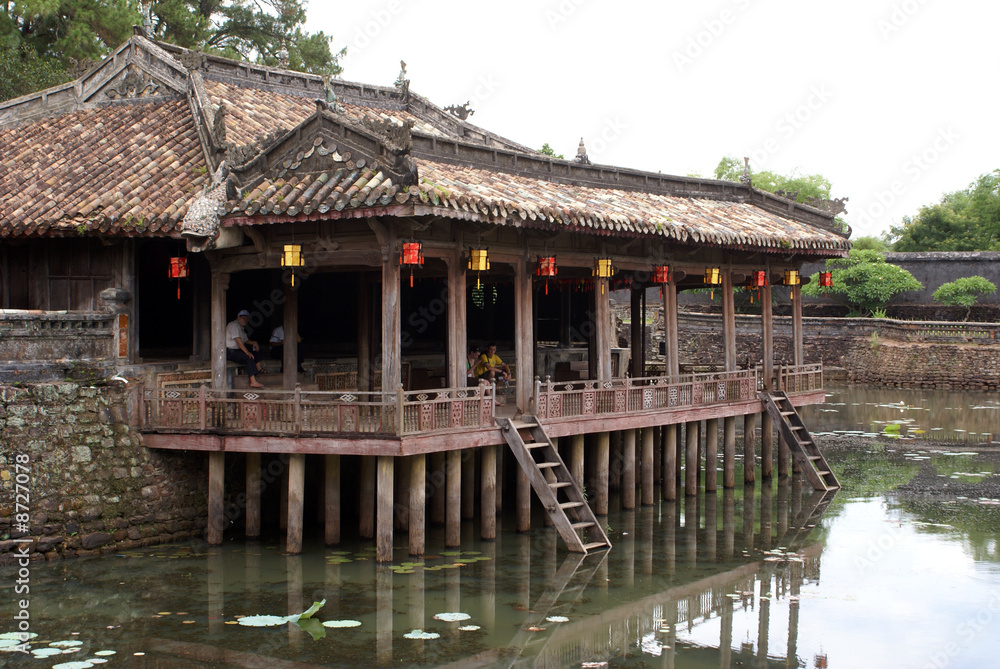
[564, 589]
[806, 519]
[555, 487]
[801, 443]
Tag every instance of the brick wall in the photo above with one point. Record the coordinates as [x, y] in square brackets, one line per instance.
[92, 487]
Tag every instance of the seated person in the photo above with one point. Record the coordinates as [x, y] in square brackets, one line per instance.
[242, 350]
[490, 365]
[471, 361]
[277, 344]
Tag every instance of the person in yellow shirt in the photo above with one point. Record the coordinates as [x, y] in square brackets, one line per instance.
[490, 365]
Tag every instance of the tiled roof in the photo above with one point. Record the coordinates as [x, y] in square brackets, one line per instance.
[474, 192]
[120, 169]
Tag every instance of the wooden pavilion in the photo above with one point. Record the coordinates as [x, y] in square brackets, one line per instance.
[172, 189]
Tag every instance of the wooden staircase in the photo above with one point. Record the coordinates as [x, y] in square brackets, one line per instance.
[806, 519]
[801, 443]
[559, 494]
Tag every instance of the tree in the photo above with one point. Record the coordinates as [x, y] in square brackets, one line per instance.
[964, 292]
[863, 281]
[965, 220]
[23, 71]
[869, 243]
[805, 186]
[549, 151]
[71, 31]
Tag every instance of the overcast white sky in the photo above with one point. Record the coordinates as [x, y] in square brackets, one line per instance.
[894, 101]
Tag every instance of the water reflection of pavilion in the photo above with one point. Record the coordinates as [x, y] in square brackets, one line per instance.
[635, 600]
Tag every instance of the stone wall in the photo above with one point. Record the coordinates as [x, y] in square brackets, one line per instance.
[91, 486]
[910, 365]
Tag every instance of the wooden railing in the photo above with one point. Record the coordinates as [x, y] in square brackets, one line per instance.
[794, 378]
[291, 413]
[624, 395]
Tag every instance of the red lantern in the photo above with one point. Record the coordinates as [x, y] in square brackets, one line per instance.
[547, 269]
[758, 279]
[661, 274]
[412, 255]
[178, 270]
[826, 279]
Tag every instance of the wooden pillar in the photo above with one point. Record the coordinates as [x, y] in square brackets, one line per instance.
[628, 469]
[366, 502]
[439, 481]
[457, 348]
[383, 536]
[603, 340]
[602, 452]
[576, 458]
[647, 466]
[670, 327]
[797, 325]
[638, 318]
[729, 452]
[391, 328]
[290, 350]
[253, 485]
[749, 454]
[296, 497]
[418, 491]
[220, 284]
[522, 498]
[670, 462]
[691, 463]
[365, 328]
[468, 483]
[711, 454]
[401, 495]
[728, 320]
[453, 506]
[331, 500]
[216, 490]
[767, 343]
[487, 502]
[524, 351]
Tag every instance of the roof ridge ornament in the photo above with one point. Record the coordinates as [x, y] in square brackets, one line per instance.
[581, 154]
[332, 103]
[402, 84]
[745, 177]
[283, 56]
[463, 112]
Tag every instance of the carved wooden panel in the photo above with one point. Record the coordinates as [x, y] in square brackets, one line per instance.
[588, 402]
[457, 413]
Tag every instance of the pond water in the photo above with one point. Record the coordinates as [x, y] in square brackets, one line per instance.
[875, 576]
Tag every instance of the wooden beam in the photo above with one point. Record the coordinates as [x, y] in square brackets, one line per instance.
[524, 350]
[220, 283]
[638, 317]
[691, 463]
[384, 518]
[602, 328]
[522, 499]
[391, 326]
[296, 497]
[711, 454]
[797, 325]
[670, 325]
[729, 452]
[576, 458]
[216, 491]
[457, 347]
[728, 321]
[670, 462]
[749, 455]
[418, 491]
[487, 503]
[253, 487]
[290, 350]
[331, 500]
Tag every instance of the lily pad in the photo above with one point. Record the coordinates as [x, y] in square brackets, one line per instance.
[452, 617]
[105, 652]
[73, 665]
[66, 644]
[420, 634]
[468, 628]
[17, 635]
[263, 621]
[557, 619]
[342, 623]
[46, 652]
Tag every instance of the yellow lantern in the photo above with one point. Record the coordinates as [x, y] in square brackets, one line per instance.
[292, 257]
[603, 269]
[713, 277]
[792, 279]
[479, 261]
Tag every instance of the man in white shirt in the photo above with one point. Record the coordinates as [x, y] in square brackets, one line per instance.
[241, 350]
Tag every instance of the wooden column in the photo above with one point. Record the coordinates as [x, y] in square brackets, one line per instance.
[628, 469]
[728, 321]
[522, 498]
[216, 490]
[602, 328]
[749, 455]
[729, 452]
[602, 452]
[253, 484]
[453, 505]
[638, 318]
[457, 348]
[524, 351]
[383, 535]
[401, 495]
[296, 497]
[290, 350]
[220, 284]
[670, 462]
[670, 327]
[797, 325]
[576, 458]
[691, 463]
[767, 343]
[391, 328]
[647, 466]
[711, 454]
[365, 328]
[366, 502]
[487, 502]
[468, 484]
[331, 500]
[418, 491]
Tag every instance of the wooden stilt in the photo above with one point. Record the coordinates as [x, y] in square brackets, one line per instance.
[418, 490]
[401, 496]
[657, 453]
[628, 469]
[523, 501]
[487, 505]
[437, 484]
[601, 474]
[296, 497]
[216, 491]
[253, 495]
[691, 463]
[711, 454]
[670, 462]
[749, 456]
[283, 500]
[366, 503]
[384, 491]
[453, 507]
[766, 447]
[576, 458]
[729, 452]
[331, 500]
[468, 484]
[647, 466]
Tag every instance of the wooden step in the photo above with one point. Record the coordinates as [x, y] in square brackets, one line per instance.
[535, 444]
[815, 457]
[547, 465]
[570, 505]
[596, 544]
[583, 525]
[560, 484]
[787, 413]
